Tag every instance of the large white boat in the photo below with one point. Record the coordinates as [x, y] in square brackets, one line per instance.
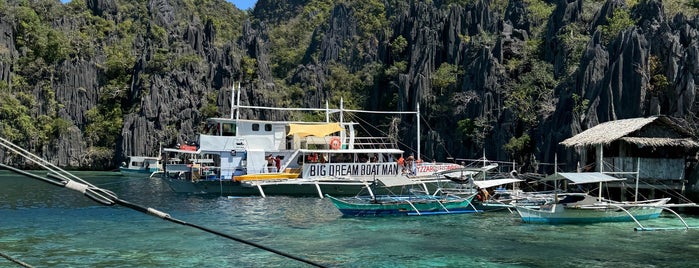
[261, 157]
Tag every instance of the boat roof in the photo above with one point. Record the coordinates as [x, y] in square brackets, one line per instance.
[144, 157]
[233, 120]
[495, 182]
[182, 151]
[583, 177]
[318, 130]
[352, 151]
[307, 151]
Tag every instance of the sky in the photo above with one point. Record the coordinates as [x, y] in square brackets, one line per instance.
[243, 4]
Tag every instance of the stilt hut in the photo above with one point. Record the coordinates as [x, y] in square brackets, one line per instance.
[657, 147]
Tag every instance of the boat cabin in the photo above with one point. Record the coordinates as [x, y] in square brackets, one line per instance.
[142, 162]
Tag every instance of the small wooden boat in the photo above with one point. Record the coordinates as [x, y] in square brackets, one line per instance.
[411, 205]
[414, 203]
[584, 208]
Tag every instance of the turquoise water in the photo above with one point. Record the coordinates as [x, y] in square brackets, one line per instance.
[46, 226]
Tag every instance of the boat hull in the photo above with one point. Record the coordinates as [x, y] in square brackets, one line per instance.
[137, 172]
[402, 205]
[289, 187]
[563, 215]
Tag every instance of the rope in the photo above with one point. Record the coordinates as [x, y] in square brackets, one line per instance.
[10, 258]
[59, 177]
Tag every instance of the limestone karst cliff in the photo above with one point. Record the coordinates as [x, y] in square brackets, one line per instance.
[87, 83]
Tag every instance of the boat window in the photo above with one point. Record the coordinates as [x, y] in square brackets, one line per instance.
[255, 127]
[211, 128]
[227, 129]
[268, 127]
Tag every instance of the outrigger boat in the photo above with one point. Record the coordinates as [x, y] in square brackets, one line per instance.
[577, 208]
[584, 208]
[298, 158]
[415, 203]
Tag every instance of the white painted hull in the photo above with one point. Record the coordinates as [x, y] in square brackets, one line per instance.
[559, 213]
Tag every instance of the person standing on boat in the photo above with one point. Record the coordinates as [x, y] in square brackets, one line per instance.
[270, 163]
[410, 164]
[278, 162]
[401, 164]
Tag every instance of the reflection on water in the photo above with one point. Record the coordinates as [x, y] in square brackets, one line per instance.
[47, 226]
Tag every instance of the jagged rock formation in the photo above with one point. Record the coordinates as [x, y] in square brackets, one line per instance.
[186, 62]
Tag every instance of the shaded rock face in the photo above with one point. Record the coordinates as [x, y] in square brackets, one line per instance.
[102, 7]
[615, 78]
[10, 52]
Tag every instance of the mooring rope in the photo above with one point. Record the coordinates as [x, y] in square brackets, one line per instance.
[10, 258]
[60, 177]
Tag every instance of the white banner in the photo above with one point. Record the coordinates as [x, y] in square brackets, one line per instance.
[350, 170]
[425, 169]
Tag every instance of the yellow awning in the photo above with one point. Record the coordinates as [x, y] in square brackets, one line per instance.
[314, 130]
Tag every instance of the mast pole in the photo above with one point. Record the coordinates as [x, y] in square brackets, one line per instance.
[555, 178]
[600, 153]
[237, 112]
[638, 174]
[418, 130]
[232, 100]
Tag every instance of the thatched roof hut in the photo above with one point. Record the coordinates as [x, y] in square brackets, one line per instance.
[656, 131]
[657, 146]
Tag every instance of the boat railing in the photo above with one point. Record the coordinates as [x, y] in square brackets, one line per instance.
[374, 143]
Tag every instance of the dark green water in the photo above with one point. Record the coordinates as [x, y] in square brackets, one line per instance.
[46, 226]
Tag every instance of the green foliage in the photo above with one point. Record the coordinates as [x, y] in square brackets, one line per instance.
[579, 105]
[160, 63]
[371, 16]
[693, 4]
[465, 127]
[484, 39]
[395, 69]
[532, 94]
[499, 5]
[518, 146]
[103, 126]
[15, 122]
[689, 8]
[37, 38]
[539, 10]
[248, 67]
[226, 20]
[317, 10]
[459, 2]
[573, 40]
[620, 20]
[184, 61]
[119, 62]
[341, 83]
[445, 76]
[398, 46]
[209, 107]
[157, 34]
[659, 83]
[291, 40]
